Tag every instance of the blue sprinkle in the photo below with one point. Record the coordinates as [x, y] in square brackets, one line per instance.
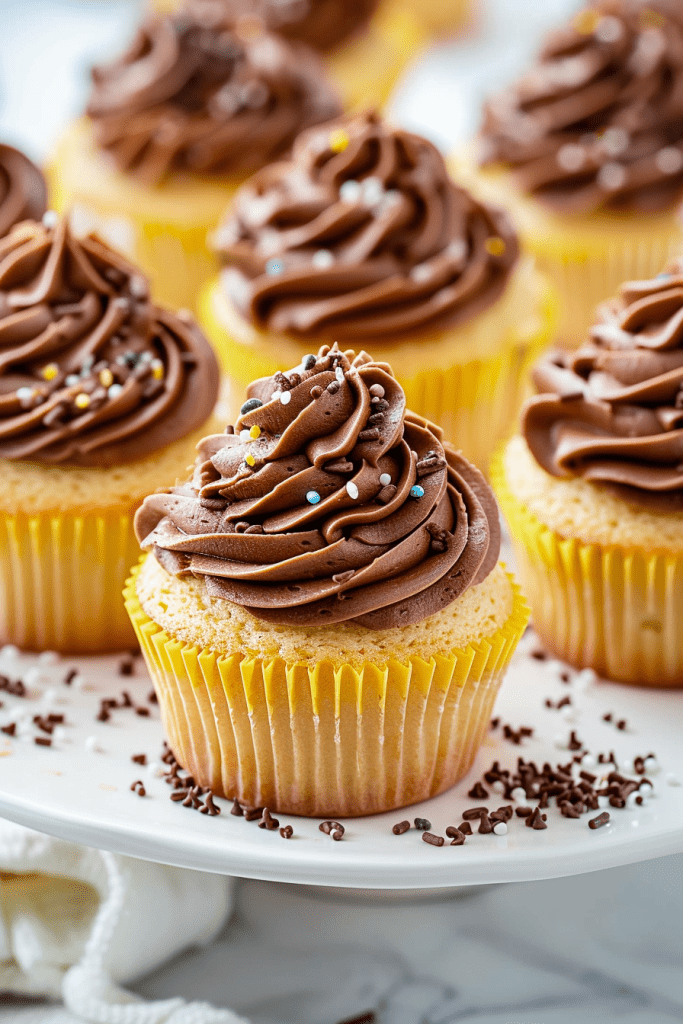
[416, 491]
[312, 497]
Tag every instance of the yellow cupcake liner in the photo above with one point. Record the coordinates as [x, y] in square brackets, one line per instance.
[612, 608]
[475, 400]
[61, 577]
[319, 739]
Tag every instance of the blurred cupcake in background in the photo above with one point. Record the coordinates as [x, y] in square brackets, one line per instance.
[23, 192]
[586, 151]
[362, 237]
[173, 126]
[322, 610]
[103, 398]
[593, 490]
[365, 44]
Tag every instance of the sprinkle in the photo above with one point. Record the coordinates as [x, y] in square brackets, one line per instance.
[26, 396]
[245, 435]
[416, 491]
[157, 368]
[385, 479]
[50, 219]
[615, 141]
[401, 828]
[477, 792]
[72, 379]
[50, 371]
[312, 497]
[350, 191]
[422, 272]
[373, 190]
[255, 432]
[608, 30]
[602, 819]
[571, 157]
[500, 828]
[518, 794]
[82, 401]
[308, 362]
[669, 160]
[287, 832]
[651, 765]
[586, 22]
[339, 374]
[274, 267]
[494, 246]
[339, 140]
[611, 176]
[351, 489]
[433, 840]
[316, 391]
[285, 397]
[250, 460]
[115, 390]
[91, 743]
[106, 378]
[377, 391]
[422, 824]
[250, 405]
[322, 259]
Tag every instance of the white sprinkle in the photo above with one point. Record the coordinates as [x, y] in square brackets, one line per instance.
[9, 651]
[79, 683]
[115, 390]
[422, 272]
[72, 379]
[350, 191]
[615, 141]
[632, 798]
[646, 787]
[561, 741]
[571, 157]
[651, 766]
[48, 658]
[609, 29]
[275, 396]
[339, 374]
[322, 259]
[49, 698]
[26, 396]
[245, 435]
[385, 479]
[498, 786]
[92, 744]
[603, 801]
[59, 734]
[285, 397]
[274, 267]
[373, 191]
[588, 761]
[500, 828]
[351, 490]
[457, 249]
[669, 160]
[50, 219]
[567, 713]
[154, 769]
[32, 676]
[672, 780]
[585, 678]
[611, 177]
[518, 794]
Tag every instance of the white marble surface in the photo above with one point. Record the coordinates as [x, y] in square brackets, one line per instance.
[605, 948]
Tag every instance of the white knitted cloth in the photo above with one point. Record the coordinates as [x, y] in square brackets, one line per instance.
[79, 923]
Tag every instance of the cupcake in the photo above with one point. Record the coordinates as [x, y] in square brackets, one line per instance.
[23, 194]
[365, 45]
[363, 238]
[586, 151]
[173, 126]
[593, 491]
[321, 608]
[103, 398]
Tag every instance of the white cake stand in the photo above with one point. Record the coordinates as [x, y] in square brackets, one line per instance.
[79, 788]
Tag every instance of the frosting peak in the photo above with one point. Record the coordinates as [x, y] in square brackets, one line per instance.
[597, 123]
[612, 412]
[329, 502]
[23, 193]
[91, 372]
[362, 235]
[322, 24]
[208, 100]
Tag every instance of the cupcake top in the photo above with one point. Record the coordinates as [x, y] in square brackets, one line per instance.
[328, 502]
[23, 193]
[362, 235]
[190, 97]
[612, 412]
[92, 373]
[322, 24]
[597, 124]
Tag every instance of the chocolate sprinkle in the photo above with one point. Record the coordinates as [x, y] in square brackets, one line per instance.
[433, 840]
[401, 827]
[601, 820]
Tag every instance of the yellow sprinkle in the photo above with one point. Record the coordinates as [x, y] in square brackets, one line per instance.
[652, 19]
[586, 22]
[82, 401]
[495, 246]
[50, 371]
[255, 432]
[339, 140]
[106, 378]
[157, 369]
[250, 460]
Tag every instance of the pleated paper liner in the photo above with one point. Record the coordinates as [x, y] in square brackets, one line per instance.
[611, 608]
[315, 739]
[474, 394]
[162, 229]
[61, 577]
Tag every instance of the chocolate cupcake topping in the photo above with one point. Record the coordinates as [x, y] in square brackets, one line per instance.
[91, 372]
[328, 503]
[612, 412]
[23, 193]
[205, 100]
[362, 235]
[597, 123]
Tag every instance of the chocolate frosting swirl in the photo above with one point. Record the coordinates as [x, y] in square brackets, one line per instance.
[329, 503]
[612, 412]
[23, 193]
[598, 121]
[321, 24]
[91, 372]
[362, 235]
[187, 97]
